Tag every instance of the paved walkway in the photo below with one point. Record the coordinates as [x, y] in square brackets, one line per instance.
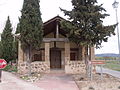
[52, 81]
[109, 71]
[11, 82]
[58, 81]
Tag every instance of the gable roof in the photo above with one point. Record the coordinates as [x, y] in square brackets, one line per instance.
[50, 26]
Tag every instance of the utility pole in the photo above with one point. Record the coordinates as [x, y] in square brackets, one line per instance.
[115, 6]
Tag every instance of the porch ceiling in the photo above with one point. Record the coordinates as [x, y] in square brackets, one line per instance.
[50, 26]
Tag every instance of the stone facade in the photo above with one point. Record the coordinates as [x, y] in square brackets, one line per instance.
[67, 52]
[55, 39]
[20, 53]
[70, 67]
[36, 67]
[75, 67]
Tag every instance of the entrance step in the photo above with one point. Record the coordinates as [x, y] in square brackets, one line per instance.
[57, 71]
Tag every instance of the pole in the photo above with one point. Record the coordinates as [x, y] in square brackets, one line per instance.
[115, 6]
[101, 75]
[0, 74]
[118, 34]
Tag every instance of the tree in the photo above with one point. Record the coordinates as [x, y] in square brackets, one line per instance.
[7, 42]
[30, 27]
[85, 26]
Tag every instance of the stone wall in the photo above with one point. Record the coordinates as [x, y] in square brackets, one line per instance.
[75, 67]
[37, 67]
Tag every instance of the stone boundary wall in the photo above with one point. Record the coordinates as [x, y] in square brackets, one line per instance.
[36, 67]
[75, 67]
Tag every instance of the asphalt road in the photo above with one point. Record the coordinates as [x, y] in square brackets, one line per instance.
[109, 71]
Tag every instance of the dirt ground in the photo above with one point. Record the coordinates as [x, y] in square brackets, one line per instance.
[108, 82]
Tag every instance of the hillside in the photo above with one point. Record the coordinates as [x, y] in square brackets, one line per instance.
[107, 55]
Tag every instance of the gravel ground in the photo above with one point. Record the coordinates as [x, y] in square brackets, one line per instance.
[107, 83]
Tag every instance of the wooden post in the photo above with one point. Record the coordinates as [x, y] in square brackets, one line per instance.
[57, 30]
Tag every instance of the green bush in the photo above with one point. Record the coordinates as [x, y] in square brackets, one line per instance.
[10, 68]
[7, 68]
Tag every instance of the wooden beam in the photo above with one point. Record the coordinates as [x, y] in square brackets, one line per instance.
[57, 30]
[55, 39]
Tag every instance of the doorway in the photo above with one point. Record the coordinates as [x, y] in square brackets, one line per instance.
[55, 58]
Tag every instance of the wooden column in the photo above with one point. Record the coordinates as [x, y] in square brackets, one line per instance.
[67, 52]
[20, 53]
[57, 30]
[47, 51]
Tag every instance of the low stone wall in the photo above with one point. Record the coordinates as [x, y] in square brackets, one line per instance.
[43, 67]
[37, 67]
[75, 67]
[72, 67]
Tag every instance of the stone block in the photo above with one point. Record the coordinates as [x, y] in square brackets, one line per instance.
[36, 67]
[75, 67]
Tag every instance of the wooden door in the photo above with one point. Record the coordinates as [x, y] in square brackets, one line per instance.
[55, 58]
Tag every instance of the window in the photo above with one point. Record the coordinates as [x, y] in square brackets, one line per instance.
[38, 56]
[72, 56]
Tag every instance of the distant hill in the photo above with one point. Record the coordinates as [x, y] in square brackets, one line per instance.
[107, 55]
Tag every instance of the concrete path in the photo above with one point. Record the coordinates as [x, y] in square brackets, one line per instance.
[109, 71]
[52, 81]
[58, 81]
[11, 82]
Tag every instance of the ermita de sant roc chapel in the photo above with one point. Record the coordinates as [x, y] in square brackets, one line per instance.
[56, 52]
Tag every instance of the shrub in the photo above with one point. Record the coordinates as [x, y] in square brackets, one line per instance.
[10, 68]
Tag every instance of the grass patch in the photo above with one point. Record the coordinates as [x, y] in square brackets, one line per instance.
[114, 65]
[25, 77]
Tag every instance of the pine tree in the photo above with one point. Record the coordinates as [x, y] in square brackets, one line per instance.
[86, 25]
[30, 28]
[31, 25]
[7, 42]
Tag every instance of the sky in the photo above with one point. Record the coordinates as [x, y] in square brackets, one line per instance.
[50, 9]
